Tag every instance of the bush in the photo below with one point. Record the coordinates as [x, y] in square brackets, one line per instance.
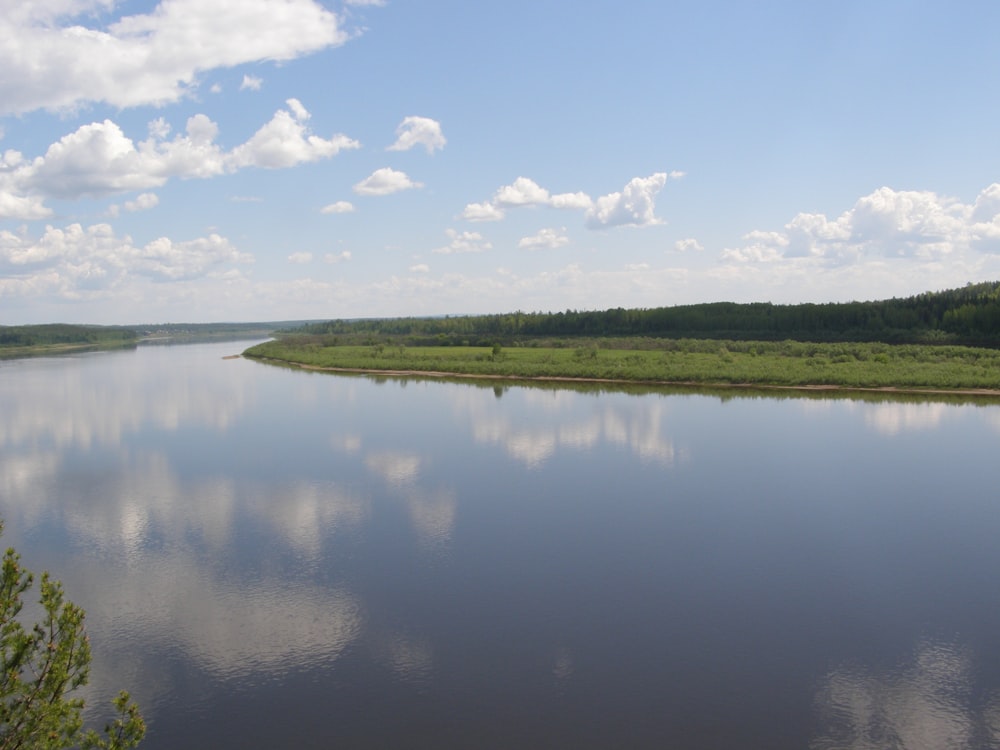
[42, 665]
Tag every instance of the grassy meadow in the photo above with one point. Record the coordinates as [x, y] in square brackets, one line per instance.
[698, 361]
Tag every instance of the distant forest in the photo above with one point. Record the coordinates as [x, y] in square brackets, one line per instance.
[968, 315]
[91, 336]
[55, 334]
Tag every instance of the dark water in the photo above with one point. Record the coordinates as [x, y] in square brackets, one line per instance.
[273, 558]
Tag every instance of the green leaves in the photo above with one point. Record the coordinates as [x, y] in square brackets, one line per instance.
[124, 732]
[41, 667]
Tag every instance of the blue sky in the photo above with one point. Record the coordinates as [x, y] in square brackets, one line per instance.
[192, 161]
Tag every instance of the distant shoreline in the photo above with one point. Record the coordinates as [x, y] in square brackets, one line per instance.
[817, 387]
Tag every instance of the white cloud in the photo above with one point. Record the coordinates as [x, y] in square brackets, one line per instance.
[522, 192]
[987, 205]
[77, 258]
[885, 223]
[340, 257]
[340, 207]
[152, 58]
[99, 159]
[463, 242]
[142, 202]
[420, 268]
[683, 246]
[300, 112]
[761, 247]
[418, 131]
[166, 260]
[571, 200]
[545, 238]
[251, 83]
[158, 129]
[482, 212]
[300, 258]
[285, 142]
[384, 182]
[634, 206]
[24, 207]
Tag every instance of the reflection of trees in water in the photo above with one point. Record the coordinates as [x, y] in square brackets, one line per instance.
[927, 704]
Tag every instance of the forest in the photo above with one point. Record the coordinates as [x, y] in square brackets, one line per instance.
[968, 315]
[64, 334]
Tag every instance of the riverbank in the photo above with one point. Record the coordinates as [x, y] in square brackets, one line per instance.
[879, 368]
[45, 350]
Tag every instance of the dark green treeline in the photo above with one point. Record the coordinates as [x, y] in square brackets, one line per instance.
[64, 333]
[968, 315]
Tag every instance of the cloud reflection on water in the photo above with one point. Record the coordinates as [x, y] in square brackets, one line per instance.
[432, 511]
[546, 421]
[925, 704]
[247, 572]
[398, 469]
[894, 418]
[95, 401]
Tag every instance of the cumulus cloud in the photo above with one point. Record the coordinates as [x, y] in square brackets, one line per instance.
[463, 242]
[340, 257]
[544, 239]
[633, 206]
[166, 260]
[151, 58]
[581, 201]
[251, 83]
[522, 192]
[384, 182]
[340, 207]
[76, 258]
[420, 268]
[25, 207]
[485, 211]
[685, 245]
[418, 131]
[98, 159]
[285, 141]
[885, 223]
[142, 202]
[300, 258]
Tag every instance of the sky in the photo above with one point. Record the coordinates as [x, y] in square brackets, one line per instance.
[264, 160]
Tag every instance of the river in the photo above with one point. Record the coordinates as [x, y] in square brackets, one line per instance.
[278, 558]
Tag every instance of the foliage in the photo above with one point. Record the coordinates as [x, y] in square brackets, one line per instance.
[967, 315]
[43, 665]
[696, 361]
[56, 334]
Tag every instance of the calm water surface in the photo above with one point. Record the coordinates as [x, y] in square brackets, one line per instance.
[274, 558]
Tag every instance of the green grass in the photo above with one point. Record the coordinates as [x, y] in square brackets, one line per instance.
[708, 362]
